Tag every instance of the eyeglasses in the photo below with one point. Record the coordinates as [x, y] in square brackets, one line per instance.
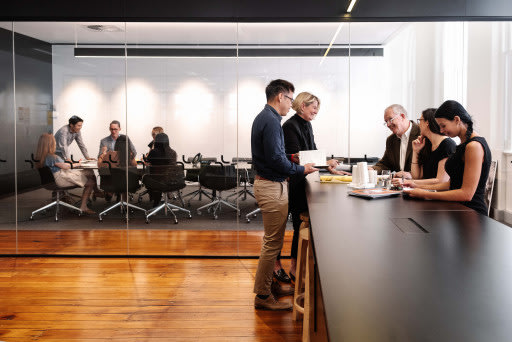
[288, 97]
[420, 120]
[390, 121]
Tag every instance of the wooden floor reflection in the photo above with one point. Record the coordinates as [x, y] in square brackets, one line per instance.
[136, 242]
[135, 299]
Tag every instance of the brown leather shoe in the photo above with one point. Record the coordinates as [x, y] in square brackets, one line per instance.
[271, 304]
[279, 290]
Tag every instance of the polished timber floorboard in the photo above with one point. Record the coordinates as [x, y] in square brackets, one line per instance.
[142, 242]
[135, 299]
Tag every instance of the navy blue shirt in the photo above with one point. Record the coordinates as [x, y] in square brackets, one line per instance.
[267, 146]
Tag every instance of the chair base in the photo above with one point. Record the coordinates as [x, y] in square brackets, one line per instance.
[199, 192]
[124, 207]
[252, 213]
[242, 193]
[216, 204]
[57, 203]
[168, 207]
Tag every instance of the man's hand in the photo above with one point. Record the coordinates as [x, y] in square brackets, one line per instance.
[406, 175]
[309, 168]
[332, 163]
[295, 158]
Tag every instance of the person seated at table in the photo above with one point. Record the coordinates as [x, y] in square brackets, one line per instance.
[120, 156]
[429, 154]
[154, 132]
[468, 167]
[63, 173]
[398, 154]
[108, 143]
[162, 154]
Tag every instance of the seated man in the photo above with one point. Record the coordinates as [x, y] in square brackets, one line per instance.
[65, 136]
[108, 143]
[398, 154]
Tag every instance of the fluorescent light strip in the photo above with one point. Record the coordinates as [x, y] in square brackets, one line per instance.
[352, 3]
[332, 42]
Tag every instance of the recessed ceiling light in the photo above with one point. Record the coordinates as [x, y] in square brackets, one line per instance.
[103, 28]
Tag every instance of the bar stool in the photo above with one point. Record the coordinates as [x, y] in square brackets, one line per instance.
[303, 268]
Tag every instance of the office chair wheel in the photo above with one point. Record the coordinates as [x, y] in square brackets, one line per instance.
[189, 216]
[199, 213]
[215, 217]
[56, 219]
[147, 221]
[175, 221]
[100, 220]
[248, 220]
[254, 215]
[31, 218]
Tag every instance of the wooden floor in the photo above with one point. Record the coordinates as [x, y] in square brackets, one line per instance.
[136, 242]
[135, 299]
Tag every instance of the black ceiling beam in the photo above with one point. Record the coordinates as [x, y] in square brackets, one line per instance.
[255, 11]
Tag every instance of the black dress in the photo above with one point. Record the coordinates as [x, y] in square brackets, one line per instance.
[445, 149]
[455, 168]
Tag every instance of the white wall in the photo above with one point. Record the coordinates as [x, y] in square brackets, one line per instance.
[205, 104]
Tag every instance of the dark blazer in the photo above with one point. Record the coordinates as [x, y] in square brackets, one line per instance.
[391, 158]
[298, 136]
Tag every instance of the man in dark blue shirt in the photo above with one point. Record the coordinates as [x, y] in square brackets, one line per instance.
[273, 168]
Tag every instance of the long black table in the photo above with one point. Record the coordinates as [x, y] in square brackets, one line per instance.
[399, 269]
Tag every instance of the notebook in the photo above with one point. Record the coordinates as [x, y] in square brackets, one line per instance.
[313, 156]
[374, 193]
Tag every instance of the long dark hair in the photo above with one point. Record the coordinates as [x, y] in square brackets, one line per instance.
[162, 144]
[449, 109]
[122, 152]
[429, 116]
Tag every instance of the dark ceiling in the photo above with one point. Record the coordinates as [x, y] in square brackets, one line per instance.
[255, 11]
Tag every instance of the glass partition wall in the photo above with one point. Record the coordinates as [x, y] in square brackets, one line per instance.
[203, 89]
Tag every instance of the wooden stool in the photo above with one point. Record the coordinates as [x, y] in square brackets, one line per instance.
[302, 277]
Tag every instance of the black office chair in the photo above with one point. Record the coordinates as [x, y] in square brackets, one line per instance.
[114, 180]
[166, 179]
[48, 182]
[195, 164]
[218, 177]
[246, 179]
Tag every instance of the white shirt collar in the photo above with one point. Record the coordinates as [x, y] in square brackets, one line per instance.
[407, 133]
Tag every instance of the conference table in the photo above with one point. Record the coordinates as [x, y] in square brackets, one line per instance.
[398, 269]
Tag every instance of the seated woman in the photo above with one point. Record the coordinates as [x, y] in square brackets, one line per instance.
[62, 172]
[162, 154]
[468, 167]
[430, 152]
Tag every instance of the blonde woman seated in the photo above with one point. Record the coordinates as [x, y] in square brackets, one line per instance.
[63, 173]
[430, 152]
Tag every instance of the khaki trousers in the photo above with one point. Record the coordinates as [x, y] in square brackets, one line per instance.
[272, 198]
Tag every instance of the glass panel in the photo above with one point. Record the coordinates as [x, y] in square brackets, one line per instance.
[186, 86]
[294, 52]
[53, 85]
[7, 156]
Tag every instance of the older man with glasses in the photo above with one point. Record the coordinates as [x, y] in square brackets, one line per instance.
[398, 154]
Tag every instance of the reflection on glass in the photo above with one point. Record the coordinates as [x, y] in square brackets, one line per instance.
[7, 156]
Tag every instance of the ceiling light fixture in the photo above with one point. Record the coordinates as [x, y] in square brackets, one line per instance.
[103, 28]
[352, 3]
[332, 42]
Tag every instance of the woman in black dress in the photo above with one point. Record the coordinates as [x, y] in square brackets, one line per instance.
[298, 136]
[468, 167]
[430, 152]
